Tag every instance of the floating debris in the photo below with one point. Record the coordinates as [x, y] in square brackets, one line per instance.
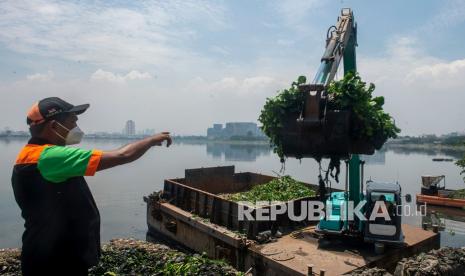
[10, 263]
[134, 257]
[444, 261]
[443, 159]
[374, 271]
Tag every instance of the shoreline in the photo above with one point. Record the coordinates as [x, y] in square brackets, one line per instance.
[438, 147]
[228, 142]
[444, 259]
[175, 139]
[126, 256]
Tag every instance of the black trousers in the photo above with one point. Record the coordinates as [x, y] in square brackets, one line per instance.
[53, 268]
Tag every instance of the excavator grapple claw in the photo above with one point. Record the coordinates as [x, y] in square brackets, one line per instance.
[320, 133]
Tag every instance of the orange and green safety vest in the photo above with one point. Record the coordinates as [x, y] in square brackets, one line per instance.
[62, 221]
[59, 163]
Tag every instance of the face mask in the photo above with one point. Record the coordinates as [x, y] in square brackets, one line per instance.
[74, 135]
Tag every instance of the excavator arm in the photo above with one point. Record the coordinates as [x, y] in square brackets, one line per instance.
[338, 38]
[337, 41]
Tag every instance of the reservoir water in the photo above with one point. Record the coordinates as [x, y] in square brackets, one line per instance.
[119, 191]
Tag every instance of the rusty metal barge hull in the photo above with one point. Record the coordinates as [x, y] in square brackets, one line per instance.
[440, 201]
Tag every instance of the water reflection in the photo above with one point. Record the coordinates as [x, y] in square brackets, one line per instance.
[451, 152]
[237, 152]
[379, 158]
[231, 151]
[451, 223]
[8, 140]
[119, 191]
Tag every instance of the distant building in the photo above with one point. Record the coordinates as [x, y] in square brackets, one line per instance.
[130, 128]
[234, 129]
[215, 132]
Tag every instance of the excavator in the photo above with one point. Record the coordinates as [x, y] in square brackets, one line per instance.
[319, 132]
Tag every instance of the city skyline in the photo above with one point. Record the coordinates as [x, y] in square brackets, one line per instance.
[234, 129]
[130, 129]
[150, 131]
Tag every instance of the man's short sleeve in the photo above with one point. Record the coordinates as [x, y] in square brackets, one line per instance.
[57, 163]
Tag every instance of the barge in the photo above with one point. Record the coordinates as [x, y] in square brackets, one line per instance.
[192, 212]
[434, 192]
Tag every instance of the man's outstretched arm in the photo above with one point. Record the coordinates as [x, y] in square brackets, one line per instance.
[132, 151]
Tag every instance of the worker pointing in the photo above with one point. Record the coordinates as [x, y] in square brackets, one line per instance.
[62, 221]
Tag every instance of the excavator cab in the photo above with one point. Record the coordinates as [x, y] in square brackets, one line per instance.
[382, 229]
[379, 227]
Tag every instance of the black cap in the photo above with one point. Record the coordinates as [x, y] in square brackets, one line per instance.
[50, 107]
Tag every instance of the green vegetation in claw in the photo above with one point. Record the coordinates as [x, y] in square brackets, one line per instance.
[273, 113]
[283, 188]
[350, 93]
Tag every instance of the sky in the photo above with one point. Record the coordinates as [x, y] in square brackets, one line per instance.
[181, 66]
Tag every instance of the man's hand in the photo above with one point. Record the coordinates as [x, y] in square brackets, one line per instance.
[132, 151]
[160, 137]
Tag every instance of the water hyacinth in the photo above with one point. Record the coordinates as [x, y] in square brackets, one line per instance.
[132, 257]
[283, 188]
[349, 93]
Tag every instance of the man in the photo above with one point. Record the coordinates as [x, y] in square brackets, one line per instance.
[62, 222]
[389, 208]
